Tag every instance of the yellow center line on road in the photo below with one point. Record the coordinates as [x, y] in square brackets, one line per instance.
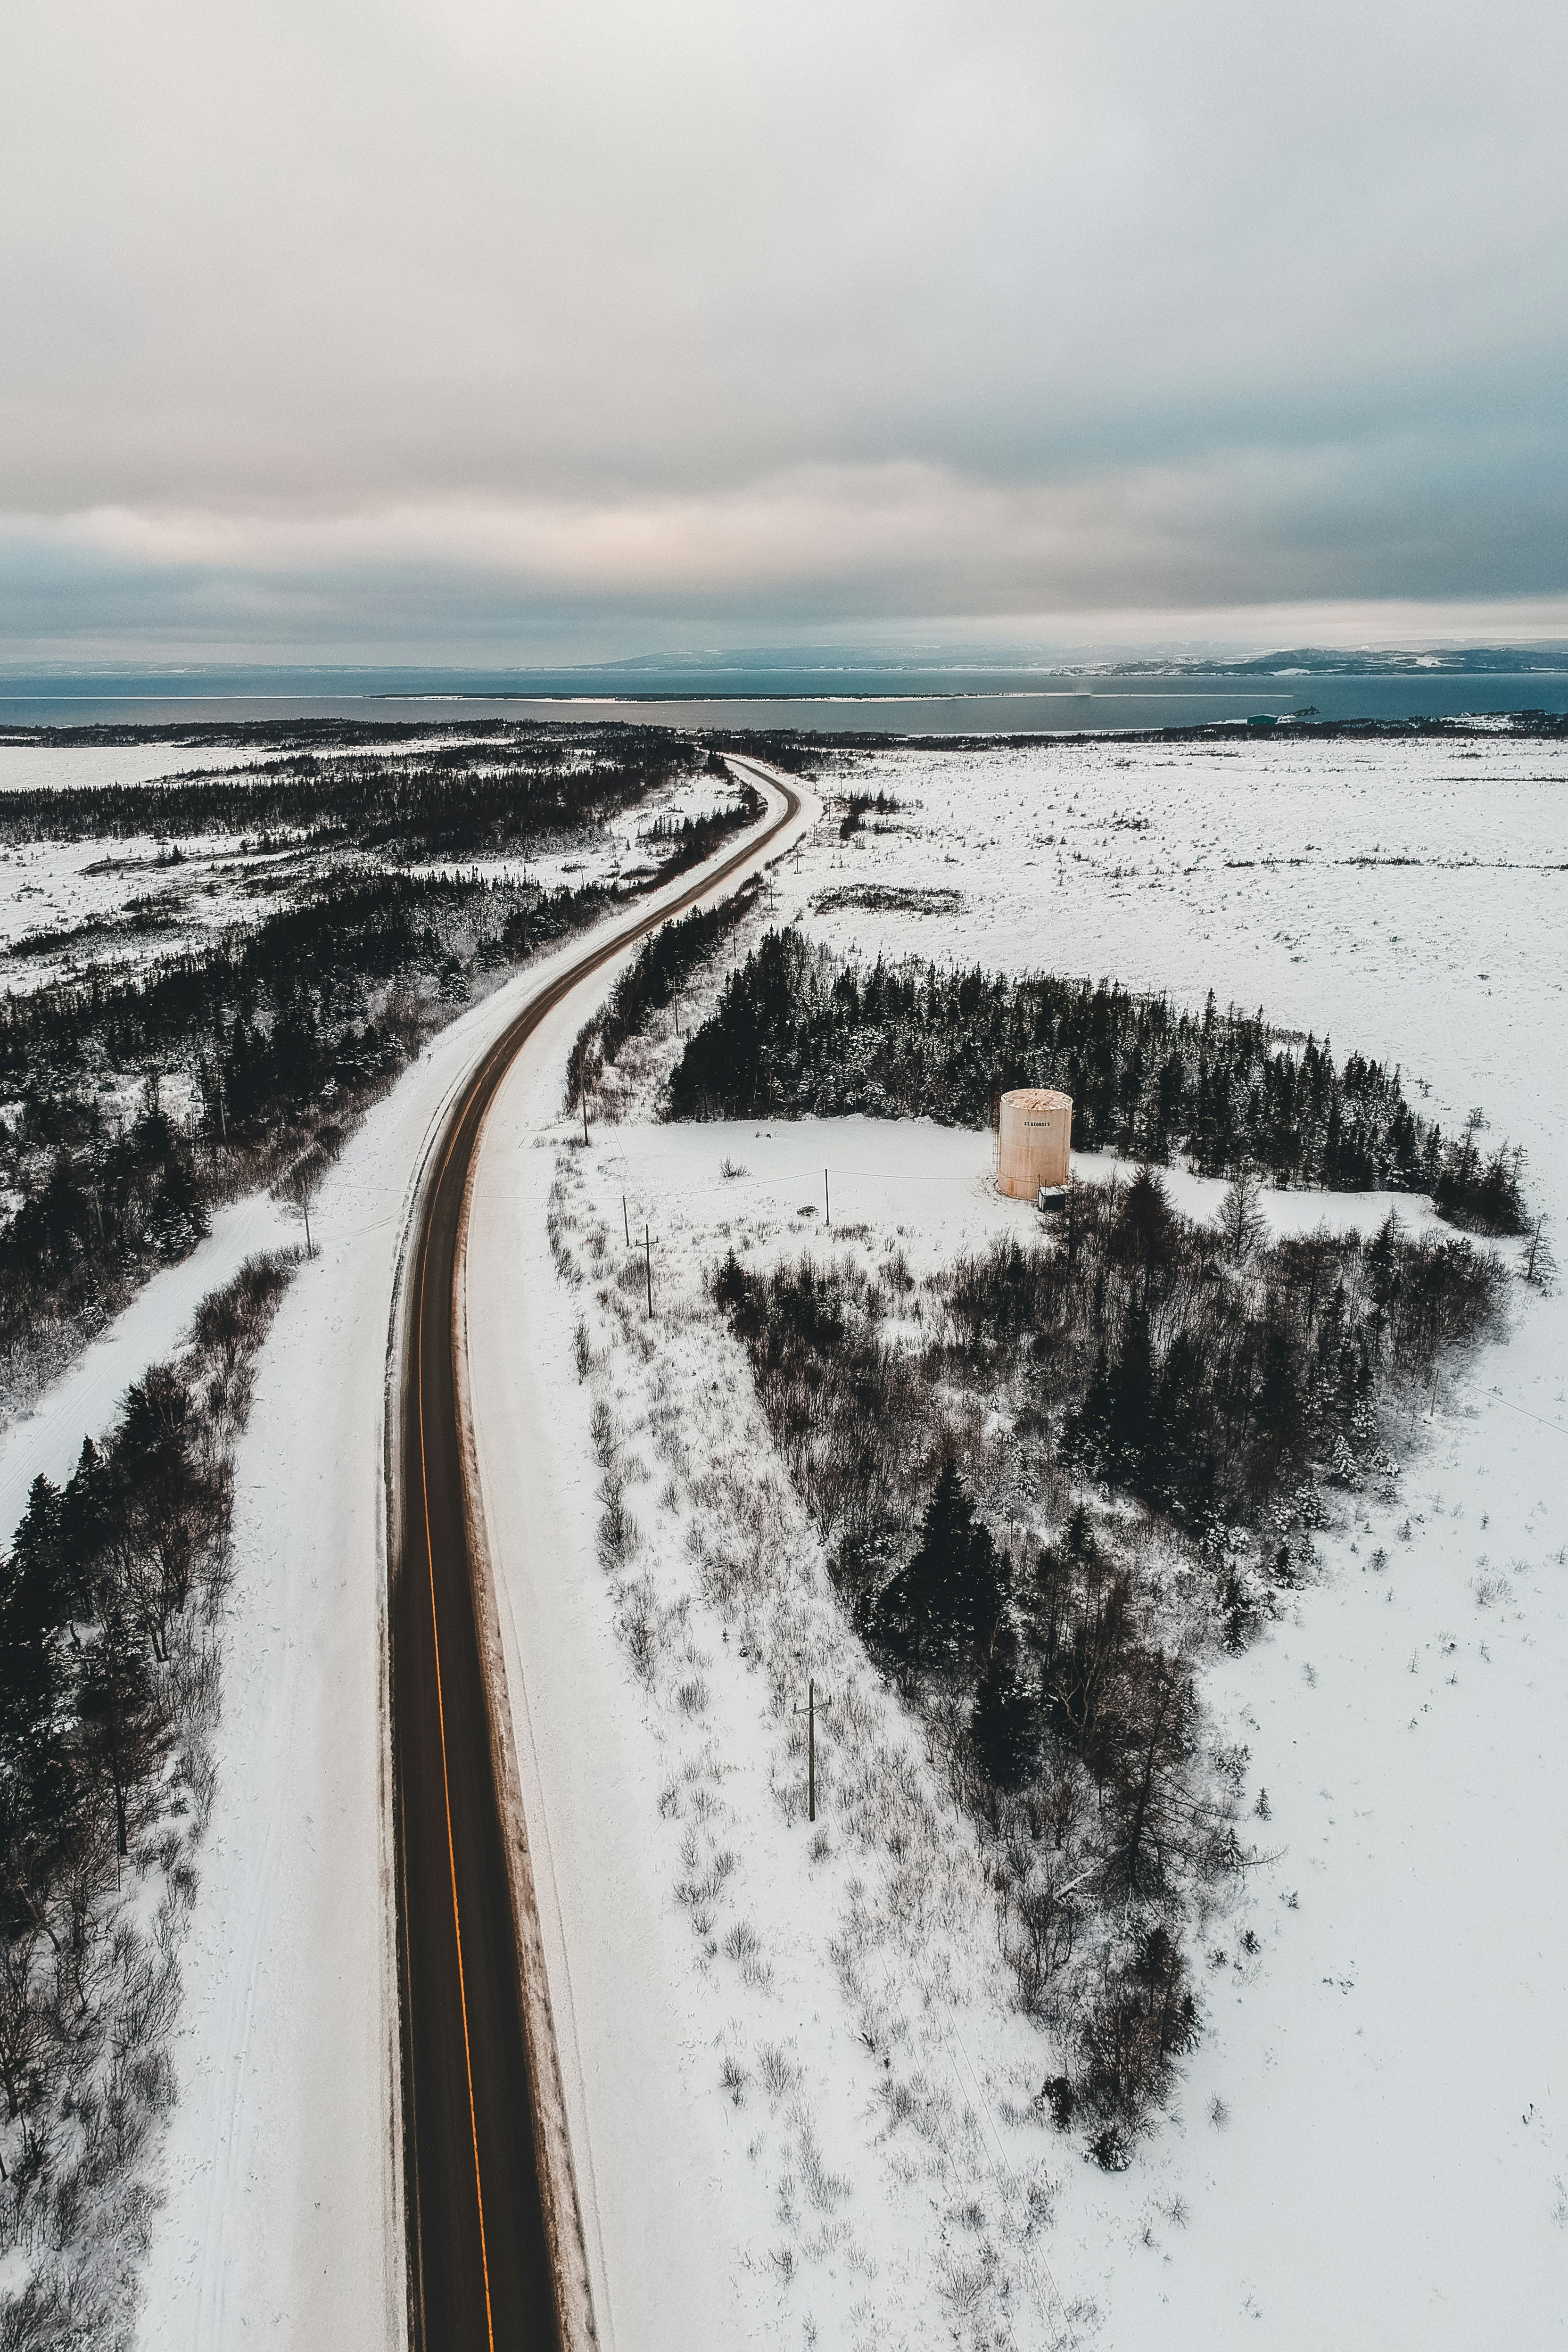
[446, 1781]
[481, 1088]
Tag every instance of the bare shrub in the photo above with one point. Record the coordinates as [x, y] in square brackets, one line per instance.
[617, 1527]
[777, 2070]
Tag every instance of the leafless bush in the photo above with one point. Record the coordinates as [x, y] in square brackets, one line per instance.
[777, 2070]
[826, 2189]
[743, 1948]
[617, 1527]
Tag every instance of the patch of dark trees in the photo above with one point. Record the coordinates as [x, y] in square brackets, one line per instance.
[140, 918]
[857, 805]
[1514, 725]
[103, 1201]
[1216, 1380]
[796, 752]
[108, 1694]
[287, 1030]
[684, 842]
[887, 898]
[664, 966]
[459, 798]
[800, 1030]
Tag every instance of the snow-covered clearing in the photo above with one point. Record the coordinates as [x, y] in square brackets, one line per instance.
[71, 767]
[76, 889]
[804, 2104]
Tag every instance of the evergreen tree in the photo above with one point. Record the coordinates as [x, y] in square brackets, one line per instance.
[36, 1787]
[950, 1591]
[1003, 1726]
[1119, 1431]
[117, 1702]
[1241, 1222]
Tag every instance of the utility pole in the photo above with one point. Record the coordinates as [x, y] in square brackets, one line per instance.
[305, 1204]
[585, 1120]
[625, 1221]
[810, 1712]
[826, 1200]
[648, 1247]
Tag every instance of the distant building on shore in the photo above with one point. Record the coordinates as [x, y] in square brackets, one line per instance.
[1034, 1142]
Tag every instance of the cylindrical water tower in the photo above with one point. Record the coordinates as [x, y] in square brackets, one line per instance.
[1036, 1141]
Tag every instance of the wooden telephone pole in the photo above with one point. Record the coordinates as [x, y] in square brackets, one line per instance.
[810, 1713]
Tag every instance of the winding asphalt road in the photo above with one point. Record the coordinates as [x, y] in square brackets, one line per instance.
[478, 2266]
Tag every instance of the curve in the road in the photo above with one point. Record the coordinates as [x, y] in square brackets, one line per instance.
[480, 2271]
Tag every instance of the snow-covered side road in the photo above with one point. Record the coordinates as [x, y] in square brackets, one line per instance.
[283, 2221]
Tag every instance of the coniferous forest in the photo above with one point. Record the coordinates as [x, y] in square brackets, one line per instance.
[798, 1029]
[110, 1599]
[487, 792]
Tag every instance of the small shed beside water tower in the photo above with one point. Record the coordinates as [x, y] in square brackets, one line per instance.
[1034, 1142]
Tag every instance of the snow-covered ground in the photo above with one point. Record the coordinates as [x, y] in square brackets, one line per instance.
[70, 767]
[49, 886]
[1369, 2146]
[642, 1745]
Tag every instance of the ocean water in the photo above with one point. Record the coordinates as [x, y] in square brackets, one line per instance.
[903, 702]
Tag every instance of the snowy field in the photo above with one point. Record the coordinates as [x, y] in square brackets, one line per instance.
[803, 2108]
[1369, 2144]
[58, 886]
[70, 767]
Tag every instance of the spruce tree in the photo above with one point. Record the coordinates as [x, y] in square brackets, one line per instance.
[118, 1706]
[950, 1590]
[1003, 1724]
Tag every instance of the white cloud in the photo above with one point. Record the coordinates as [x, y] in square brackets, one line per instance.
[990, 308]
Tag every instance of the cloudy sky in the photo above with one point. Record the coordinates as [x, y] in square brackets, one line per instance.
[475, 330]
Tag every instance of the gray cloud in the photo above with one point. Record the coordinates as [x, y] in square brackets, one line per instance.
[442, 323]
